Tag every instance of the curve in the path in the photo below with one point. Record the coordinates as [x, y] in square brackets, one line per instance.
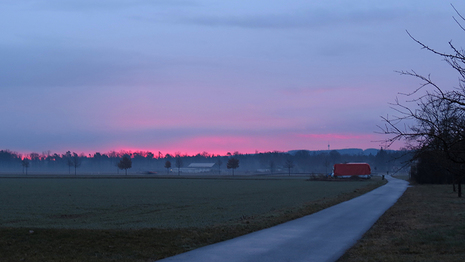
[323, 236]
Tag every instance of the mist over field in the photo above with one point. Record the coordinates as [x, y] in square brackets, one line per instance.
[294, 162]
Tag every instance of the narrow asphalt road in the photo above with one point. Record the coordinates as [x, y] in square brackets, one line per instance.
[323, 236]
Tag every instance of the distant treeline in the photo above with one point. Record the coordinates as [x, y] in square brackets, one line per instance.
[302, 161]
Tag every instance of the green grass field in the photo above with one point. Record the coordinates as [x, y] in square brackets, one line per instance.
[149, 219]
[148, 203]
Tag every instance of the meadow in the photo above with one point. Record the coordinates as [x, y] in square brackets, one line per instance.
[81, 219]
[426, 224]
[148, 203]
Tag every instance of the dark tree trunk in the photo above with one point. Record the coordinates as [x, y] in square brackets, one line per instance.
[459, 185]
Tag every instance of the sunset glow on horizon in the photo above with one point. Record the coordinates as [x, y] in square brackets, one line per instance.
[223, 145]
[199, 76]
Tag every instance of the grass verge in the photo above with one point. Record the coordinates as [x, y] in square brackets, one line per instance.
[21, 244]
[426, 224]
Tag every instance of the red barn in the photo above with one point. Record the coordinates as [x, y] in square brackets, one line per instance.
[352, 169]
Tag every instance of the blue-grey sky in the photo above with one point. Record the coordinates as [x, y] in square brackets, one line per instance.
[216, 76]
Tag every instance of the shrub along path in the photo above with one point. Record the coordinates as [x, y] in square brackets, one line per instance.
[323, 236]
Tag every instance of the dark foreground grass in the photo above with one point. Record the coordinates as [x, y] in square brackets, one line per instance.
[426, 224]
[21, 244]
[103, 203]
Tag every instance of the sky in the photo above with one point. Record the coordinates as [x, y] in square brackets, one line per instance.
[191, 76]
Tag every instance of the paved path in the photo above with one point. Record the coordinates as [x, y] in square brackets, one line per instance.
[323, 236]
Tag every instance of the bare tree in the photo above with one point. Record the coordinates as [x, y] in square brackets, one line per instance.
[69, 163]
[233, 163]
[272, 166]
[289, 164]
[69, 160]
[432, 121]
[76, 160]
[125, 163]
[178, 162]
[167, 166]
[25, 164]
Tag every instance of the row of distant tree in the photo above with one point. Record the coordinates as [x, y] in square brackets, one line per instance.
[267, 162]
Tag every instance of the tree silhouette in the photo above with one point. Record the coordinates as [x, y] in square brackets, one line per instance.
[25, 164]
[233, 163]
[76, 160]
[289, 164]
[433, 124]
[125, 163]
[167, 166]
[69, 160]
[380, 161]
[272, 166]
[178, 163]
[97, 158]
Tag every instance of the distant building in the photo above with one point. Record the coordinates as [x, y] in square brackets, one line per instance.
[198, 168]
[352, 169]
